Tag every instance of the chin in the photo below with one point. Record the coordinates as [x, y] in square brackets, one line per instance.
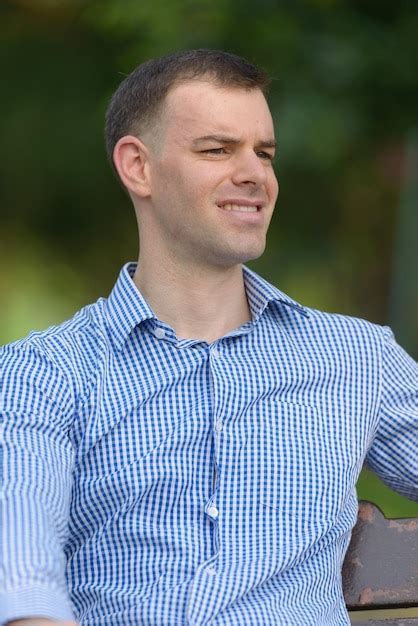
[241, 257]
[253, 253]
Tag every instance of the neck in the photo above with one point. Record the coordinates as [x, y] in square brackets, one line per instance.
[198, 303]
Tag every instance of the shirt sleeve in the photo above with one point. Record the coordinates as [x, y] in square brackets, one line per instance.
[37, 457]
[393, 455]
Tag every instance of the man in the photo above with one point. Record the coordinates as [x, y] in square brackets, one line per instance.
[186, 451]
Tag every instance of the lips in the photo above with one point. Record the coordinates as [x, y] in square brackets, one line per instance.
[240, 207]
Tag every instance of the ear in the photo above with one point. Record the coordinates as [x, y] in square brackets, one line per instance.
[131, 159]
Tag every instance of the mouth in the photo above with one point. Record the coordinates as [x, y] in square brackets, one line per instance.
[240, 208]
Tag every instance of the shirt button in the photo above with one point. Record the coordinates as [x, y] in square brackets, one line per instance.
[160, 333]
[215, 353]
[218, 426]
[213, 512]
[211, 571]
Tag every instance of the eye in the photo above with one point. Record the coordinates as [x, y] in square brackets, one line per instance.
[265, 155]
[214, 151]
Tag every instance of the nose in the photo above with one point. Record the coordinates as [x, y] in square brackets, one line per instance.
[250, 169]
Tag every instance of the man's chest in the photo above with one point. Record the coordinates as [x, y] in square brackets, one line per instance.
[273, 431]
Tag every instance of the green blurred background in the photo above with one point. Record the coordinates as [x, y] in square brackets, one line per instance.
[345, 102]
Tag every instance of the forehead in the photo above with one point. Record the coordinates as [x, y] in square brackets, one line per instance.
[201, 107]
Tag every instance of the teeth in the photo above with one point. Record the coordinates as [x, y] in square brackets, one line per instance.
[239, 207]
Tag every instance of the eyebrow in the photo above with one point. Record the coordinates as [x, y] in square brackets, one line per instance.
[269, 143]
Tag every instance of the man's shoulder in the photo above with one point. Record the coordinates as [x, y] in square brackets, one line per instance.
[331, 330]
[347, 323]
[71, 348]
[309, 321]
[342, 328]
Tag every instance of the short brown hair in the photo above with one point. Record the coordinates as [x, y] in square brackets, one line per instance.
[140, 96]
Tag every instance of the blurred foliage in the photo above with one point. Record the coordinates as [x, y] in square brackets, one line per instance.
[345, 101]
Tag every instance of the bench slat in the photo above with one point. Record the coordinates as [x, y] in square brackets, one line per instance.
[381, 566]
[389, 622]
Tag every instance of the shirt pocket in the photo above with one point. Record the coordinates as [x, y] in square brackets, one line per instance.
[301, 475]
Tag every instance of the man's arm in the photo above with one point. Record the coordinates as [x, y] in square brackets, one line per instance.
[393, 455]
[36, 409]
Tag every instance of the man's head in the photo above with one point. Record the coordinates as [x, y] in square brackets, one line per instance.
[195, 154]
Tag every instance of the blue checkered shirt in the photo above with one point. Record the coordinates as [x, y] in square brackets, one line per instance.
[150, 480]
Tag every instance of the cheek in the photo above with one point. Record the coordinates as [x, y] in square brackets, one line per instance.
[187, 184]
[172, 190]
[195, 190]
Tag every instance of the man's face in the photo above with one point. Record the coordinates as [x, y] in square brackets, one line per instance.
[213, 188]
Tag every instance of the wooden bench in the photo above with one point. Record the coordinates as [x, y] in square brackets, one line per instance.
[381, 567]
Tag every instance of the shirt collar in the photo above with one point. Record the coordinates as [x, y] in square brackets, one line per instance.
[126, 307]
[260, 294]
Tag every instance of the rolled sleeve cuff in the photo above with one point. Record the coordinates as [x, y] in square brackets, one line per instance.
[34, 602]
